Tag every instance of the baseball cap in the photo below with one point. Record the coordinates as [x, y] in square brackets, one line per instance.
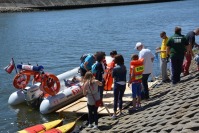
[137, 45]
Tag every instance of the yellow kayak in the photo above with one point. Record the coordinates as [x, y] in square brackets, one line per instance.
[40, 128]
[67, 128]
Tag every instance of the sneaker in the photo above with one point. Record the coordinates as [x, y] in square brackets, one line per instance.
[114, 117]
[120, 114]
[95, 127]
[138, 106]
[89, 126]
[173, 84]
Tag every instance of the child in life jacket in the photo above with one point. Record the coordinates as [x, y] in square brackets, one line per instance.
[135, 79]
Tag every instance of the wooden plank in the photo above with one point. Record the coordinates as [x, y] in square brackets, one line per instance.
[77, 106]
[68, 106]
[80, 106]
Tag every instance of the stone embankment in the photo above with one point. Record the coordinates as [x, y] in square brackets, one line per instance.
[171, 109]
[31, 5]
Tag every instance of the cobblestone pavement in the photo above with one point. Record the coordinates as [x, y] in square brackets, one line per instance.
[172, 109]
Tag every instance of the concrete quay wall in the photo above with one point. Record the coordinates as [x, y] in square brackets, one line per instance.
[66, 4]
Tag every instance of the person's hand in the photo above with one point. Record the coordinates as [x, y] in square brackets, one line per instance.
[129, 84]
[85, 94]
[158, 48]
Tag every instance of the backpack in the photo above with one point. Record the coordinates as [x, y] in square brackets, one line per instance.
[83, 57]
[93, 68]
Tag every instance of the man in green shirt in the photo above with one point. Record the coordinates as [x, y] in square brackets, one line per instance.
[176, 48]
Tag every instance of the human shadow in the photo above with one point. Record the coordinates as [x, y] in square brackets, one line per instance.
[149, 105]
[160, 94]
[190, 78]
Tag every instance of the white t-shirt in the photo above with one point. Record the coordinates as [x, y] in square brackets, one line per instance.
[148, 64]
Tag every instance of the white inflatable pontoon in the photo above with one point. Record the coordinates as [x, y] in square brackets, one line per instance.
[69, 92]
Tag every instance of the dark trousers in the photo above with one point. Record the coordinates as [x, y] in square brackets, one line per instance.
[118, 94]
[176, 68]
[101, 90]
[92, 114]
[145, 93]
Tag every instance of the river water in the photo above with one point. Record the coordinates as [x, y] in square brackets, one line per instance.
[57, 39]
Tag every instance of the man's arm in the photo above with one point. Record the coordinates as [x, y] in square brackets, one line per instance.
[152, 57]
[85, 66]
[189, 50]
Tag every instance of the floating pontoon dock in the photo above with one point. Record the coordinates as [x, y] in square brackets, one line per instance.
[80, 106]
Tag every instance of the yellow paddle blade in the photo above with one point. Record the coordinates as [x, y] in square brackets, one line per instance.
[52, 124]
[67, 127]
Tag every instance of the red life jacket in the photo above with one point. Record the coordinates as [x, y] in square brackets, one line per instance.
[136, 70]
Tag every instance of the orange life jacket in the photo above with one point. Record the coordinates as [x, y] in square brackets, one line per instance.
[136, 70]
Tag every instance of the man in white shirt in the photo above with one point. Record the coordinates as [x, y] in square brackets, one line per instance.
[148, 66]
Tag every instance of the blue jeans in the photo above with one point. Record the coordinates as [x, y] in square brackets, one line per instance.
[118, 94]
[92, 114]
[136, 90]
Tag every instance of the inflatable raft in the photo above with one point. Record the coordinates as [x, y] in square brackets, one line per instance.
[40, 128]
[69, 92]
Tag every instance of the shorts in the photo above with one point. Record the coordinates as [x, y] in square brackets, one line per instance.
[82, 71]
[136, 89]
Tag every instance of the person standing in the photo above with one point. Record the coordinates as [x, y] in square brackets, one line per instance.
[119, 76]
[148, 57]
[188, 56]
[176, 47]
[112, 54]
[135, 79]
[100, 71]
[163, 57]
[90, 90]
[108, 72]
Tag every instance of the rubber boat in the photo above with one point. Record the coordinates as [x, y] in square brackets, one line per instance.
[40, 128]
[69, 92]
